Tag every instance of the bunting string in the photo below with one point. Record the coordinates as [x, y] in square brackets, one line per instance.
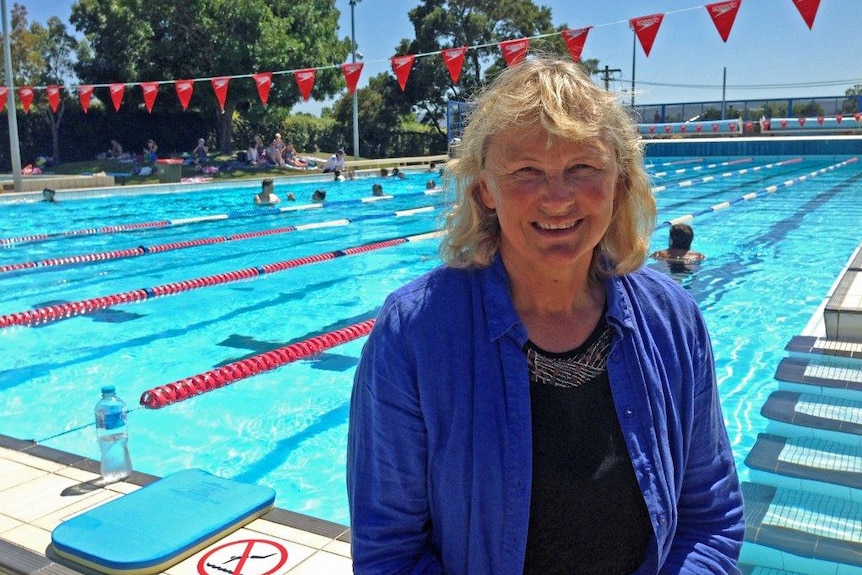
[646, 28]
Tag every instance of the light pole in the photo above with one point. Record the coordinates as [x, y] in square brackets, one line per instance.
[353, 4]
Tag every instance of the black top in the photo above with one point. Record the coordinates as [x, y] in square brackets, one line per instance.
[587, 513]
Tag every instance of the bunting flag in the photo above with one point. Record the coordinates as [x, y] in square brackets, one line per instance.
[351, 75]
[263, 81]
[184, 91]
[25, 94]
[402, 65]
[220, 89]
[454, 60]
[53, 97]
[808, 10]
[117, 93]
[84, 95]
[4, 91]
[575, 40]
[150, 90]
[646, 28]
[514, 51]
[723, 15]
[305, 81]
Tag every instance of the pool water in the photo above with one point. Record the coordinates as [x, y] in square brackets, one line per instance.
[770, 261]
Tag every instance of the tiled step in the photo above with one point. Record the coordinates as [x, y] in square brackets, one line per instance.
[807, 532]
[839, 378]
[821, 346]
[807, 463]
[843, 312]
[794, 414]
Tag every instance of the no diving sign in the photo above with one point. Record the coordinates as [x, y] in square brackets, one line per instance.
[246, 557]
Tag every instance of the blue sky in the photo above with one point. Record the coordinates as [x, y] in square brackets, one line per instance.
[770, 53]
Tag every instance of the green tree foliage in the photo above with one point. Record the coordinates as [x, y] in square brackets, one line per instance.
[42, 56]
[165, 40]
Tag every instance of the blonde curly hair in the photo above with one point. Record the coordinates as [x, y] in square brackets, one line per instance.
[558, 96]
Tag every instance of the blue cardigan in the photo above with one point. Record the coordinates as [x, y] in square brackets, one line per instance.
[439, 452]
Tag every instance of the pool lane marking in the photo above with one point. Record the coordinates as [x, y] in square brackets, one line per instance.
[691, 182]
[161, 248]
[62, 311]
[251, 213]
[750, 196]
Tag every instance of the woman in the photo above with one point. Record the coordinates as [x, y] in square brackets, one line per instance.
[542, 403]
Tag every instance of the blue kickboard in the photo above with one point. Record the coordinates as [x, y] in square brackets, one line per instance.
[160, 524]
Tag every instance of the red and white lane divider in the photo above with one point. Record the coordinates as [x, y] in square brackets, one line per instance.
[145, 250]
[66, 310]
[213, 379]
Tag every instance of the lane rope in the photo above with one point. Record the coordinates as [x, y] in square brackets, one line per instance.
[180, 390]
[249, 213]
[705, 179]
[753, 195]
[161, 248]
[62, 311]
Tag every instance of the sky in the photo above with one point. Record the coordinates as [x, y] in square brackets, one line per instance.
[770, 53]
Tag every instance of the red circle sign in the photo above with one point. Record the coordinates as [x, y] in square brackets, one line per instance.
[246, 557]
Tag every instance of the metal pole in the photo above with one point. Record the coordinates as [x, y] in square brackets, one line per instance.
[723, 91]
[14, 145]
[355, 92]
[634, 60]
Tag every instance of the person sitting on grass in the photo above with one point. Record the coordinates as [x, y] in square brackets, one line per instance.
[335, 163]
[291, 159]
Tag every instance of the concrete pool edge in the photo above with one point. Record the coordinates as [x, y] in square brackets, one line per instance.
[18, 560]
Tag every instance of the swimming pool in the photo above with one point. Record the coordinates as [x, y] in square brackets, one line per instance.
[772, 256]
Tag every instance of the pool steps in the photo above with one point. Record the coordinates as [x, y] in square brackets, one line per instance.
[803, 496]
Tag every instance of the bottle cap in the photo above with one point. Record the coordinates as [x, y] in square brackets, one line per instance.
[108, 390]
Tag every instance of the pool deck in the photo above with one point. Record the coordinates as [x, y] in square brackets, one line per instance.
[42, 487]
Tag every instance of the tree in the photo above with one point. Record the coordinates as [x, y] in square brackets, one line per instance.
[478, 24]
[163, 41]
[42, 56]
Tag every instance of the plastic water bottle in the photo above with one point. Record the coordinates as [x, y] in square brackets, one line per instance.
[113, 433]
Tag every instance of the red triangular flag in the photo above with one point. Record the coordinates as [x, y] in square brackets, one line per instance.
[646, 28]
[263, 81]
[4, 91]
[808, 10]
[305, 81]
[454, 60]
[25, 94]
[575, 40]
[857, 116]
[117, 92]
[723, 15]
[84, 95]
[184, 91]
[514, 51]
[838, 117]
[351, 75]
[150, 90]
[220, 89]
[53, 97]
[783, 123]
[402, 65]
[801, 122]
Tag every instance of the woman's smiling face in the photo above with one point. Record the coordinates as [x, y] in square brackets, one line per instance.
[554, 202]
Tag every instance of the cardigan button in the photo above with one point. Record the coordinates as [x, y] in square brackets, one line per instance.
[629, 411]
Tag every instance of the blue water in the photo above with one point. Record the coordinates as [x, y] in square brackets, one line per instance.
[770, 262]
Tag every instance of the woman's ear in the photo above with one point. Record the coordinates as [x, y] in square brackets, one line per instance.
[484, 193]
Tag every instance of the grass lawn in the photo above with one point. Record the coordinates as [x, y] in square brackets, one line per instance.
[116, 167]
